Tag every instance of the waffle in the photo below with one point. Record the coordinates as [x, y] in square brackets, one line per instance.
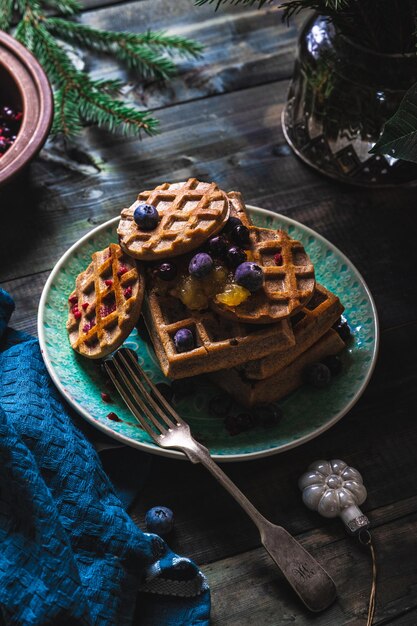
[189, 213]
[314, 319]
[252, 392]
[238, 208]
[220, 343]
[287, 287]
[105, 304]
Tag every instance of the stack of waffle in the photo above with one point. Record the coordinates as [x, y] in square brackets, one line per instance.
[257, 350]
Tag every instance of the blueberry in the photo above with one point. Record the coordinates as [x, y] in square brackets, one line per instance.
[201, 265]
[231, 223]
[165, 391]
[7, 113]
[146, 216]
[218, 246]
[269, 414]
[235, 256]
[159, 520]
[249, 275]
[240, 235]
[166, 271]
[236, 424]
[184, 340]
[220, 405]
[182, 387]
[318, 375]
[334, 363]
[343, 329]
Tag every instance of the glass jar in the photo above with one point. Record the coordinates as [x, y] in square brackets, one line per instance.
[340, 97]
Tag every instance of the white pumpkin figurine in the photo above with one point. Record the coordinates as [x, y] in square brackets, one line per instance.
[335, 490]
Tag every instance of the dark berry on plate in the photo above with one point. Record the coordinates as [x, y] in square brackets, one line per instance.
[318, 375]
[231, 223]
[165, 390]
[166, 271]
[184, 340]
[334, 363]
[159, 520]
[236, 424]
[343, 329]
[278, 258]
[235, 256]
[240, 235]
[146, 216]
[249, 275]
[218, 245]
[220, 405]
[269, 414]
[201, 265]
[105, 397]
[7, 113]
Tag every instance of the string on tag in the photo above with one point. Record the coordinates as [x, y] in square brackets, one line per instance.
[365, 538]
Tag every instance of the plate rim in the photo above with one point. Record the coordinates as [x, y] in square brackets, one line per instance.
[152, 448]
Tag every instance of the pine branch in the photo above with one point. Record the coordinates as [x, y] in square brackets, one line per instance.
[78, 98]
[218, 3]
[6, 14]
[121, 45]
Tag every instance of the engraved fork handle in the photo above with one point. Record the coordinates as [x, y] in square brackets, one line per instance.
[308, 579]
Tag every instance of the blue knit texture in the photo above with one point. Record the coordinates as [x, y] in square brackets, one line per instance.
[69, 552]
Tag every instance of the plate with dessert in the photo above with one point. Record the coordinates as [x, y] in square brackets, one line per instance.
[260, 332]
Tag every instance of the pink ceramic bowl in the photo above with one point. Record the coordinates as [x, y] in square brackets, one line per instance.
[23, 85]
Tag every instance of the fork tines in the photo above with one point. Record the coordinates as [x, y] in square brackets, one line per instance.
[140, 394]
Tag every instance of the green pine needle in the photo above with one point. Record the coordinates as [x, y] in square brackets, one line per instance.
[77, 97]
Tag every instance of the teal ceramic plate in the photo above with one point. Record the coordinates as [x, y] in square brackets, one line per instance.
[307, 412]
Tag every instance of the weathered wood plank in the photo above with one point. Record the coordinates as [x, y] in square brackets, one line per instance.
[236, 140]
[243, 47]
[247, 589]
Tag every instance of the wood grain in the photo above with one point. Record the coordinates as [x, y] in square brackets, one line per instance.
[220, 120]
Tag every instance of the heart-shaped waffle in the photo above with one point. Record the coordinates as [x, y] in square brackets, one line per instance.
[105, 304]
[189, 213]
[289, 280]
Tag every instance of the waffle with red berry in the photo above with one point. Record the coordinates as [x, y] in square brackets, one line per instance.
[314, 319]
[172, 219]
[276, 281]
[106, 303]
[254, 392]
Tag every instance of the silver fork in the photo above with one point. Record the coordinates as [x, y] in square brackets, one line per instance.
[308, 579]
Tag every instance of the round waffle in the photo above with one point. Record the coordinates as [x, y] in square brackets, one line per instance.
[189, 213]
[105, 304]
[288, 286]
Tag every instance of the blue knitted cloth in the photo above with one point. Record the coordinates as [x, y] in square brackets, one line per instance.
[69, 552]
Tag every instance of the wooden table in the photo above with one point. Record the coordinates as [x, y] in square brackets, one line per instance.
[220, 120]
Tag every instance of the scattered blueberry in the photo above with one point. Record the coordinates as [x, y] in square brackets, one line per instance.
[201, 265]
[343, 329]
[159, 520]
[240, 235]
[269, 414]
[231, 223]
[113, 417]
[249, 275]
[184, 340]
[334, 363]
[146, 216]
[235, 256]
[236, 424]
[166, 271]
[318, 375]
[220, 405]
[218, 246]
[182, 387]
[165, 390]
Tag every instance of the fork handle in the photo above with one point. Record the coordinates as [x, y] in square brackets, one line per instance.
[308, 579]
